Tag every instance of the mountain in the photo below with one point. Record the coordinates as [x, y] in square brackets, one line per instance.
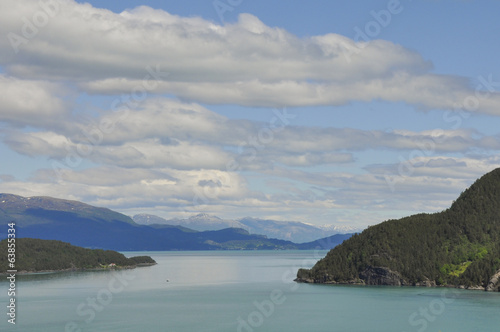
[26, 211]
[92, 227]
[287, 230]
[200, 222]
[33, 255]
[326, 243]
[456, 247]
[152, 220]
[343, 229]
[297, 232]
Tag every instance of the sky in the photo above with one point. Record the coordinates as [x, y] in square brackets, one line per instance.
[342, 113]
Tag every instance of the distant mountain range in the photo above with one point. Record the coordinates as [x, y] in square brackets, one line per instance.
[297, 232]
[93, 227]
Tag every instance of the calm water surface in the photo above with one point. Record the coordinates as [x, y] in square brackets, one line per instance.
[236, 291]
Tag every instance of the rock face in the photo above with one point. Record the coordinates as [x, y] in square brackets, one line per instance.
[426, 283]
[381, 276]
[494, 283]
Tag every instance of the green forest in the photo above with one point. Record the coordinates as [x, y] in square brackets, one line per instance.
[33, 255]
[458, 246]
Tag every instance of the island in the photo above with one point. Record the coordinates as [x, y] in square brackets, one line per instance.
[35, 255]
[458, 247]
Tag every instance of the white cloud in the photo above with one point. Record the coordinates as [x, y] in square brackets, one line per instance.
[408, 172]
[47, 144]
[121, 188]
[245, 63]
[312, 159]
[425, 91]
[154, 154]
[181, 193]
[318, 197]
[176, 157]
[28, 102]
[168, 133]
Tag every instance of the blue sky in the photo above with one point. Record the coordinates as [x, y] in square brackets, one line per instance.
[328, 112]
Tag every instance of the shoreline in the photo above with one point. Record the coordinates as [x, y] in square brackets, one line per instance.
[127, 267]
[426, 285]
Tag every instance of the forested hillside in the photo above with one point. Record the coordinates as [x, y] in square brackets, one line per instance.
[41, 255]
[458, 246]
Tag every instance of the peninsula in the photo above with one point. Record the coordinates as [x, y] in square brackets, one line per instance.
[35, 255]
[458, 247]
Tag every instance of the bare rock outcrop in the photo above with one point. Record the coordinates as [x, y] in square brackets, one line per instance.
[382, 276]
[494, 283]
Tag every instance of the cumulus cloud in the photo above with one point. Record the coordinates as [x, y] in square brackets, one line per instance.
[313, 159]
[180, 193]
[246, 63]
[384, 188]
[173, 157]
[30, 102]
[407, 171]
[48, 144]
[149, 153]
[183, 191]
[190, 49]
[168, 133]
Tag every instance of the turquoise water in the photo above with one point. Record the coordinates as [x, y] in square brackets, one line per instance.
[236, 291]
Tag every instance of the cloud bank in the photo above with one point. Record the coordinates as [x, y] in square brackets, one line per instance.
[246, 63]
[119, 107]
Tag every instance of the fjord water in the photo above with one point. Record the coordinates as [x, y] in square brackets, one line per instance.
[236, 291]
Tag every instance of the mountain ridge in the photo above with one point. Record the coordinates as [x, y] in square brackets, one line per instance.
[297, 232]
[459, 247]
[18, 205]
[87, 226]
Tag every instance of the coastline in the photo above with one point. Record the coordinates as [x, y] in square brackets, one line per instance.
[127, 267]
[424, 284]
